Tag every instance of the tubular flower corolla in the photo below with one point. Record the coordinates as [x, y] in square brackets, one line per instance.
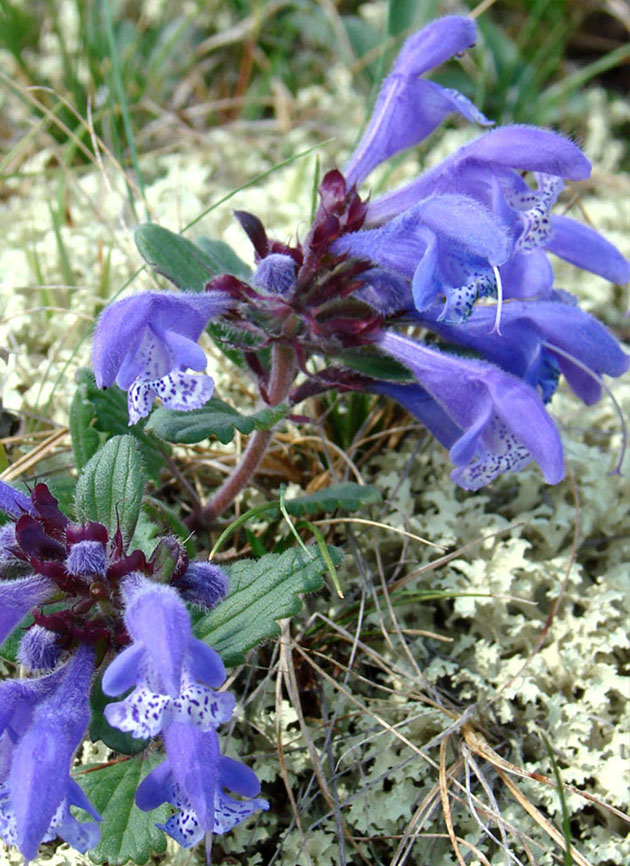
[42, 721]
[502, 420]
[146, 343]
[174, 675]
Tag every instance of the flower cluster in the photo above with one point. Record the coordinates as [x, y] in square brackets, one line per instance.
[461, 252]
[94, 606]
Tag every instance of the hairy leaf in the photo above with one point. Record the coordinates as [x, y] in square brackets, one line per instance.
[85, 439]
[106, 411]
[262, 591]
[223, 254]
[127, 833]
[186, 264]
[347, 496]
[216, 418]
[111, 485]
[373, 364]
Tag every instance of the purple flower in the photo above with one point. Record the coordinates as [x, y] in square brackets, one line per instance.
[488, 170]
[422, 406]
[146, 343]
[529, 333]
[173, 674]
[502, 420]
[448, 245]
[203, 584]
[409, 108]
[13, 502]
[192, 779]
[18, 597]
[585, 248]
[42, 721]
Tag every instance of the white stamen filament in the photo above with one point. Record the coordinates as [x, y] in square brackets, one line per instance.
[497, 320]
[602, 384]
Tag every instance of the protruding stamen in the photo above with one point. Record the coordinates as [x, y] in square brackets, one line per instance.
[497, 321]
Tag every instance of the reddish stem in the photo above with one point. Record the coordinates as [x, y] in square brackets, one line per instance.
[283, 366]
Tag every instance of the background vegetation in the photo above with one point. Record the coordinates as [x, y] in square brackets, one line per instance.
[404, 722]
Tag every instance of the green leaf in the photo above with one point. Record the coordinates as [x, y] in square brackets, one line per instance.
[85, 439]
[186, 264]
[109, 416]
[126, 832]
[168, 520]
[111, 485]
[100, 728]
[261, 592]
[216, 418]
[347, 496]
[223, 254]
[226, 337]
[375, 365]
[8, 649]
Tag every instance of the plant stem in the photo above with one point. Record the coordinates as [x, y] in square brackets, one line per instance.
[283, 366]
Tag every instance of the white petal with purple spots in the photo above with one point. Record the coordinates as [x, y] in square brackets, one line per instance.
[201, 707]
[502, 452]
[533, 208]
[184, 828]
[229, 812]
[184, 391]
[143, 714]
[139, 400]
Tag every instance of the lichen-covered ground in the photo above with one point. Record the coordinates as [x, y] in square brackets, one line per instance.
[420, 705]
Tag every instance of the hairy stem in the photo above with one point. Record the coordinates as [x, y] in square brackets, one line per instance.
[283, 366]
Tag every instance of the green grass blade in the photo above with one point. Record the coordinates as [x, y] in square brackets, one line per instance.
[122, 98]
[254, 180]
[566, 820]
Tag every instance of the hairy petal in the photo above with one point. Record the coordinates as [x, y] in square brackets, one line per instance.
[276, 274]
[524, 327]
[39, 775]
[400, 244]
[408, 108]
[504, 420]
[195, 785]
[194, 759]
[157, 618]
[422, 406]
[203, 584]
[473, 169]
[124, 671]
[19, 597]
[123, 326]
[384, 291]
[13, 502]
[587, 249]
[527, 275]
